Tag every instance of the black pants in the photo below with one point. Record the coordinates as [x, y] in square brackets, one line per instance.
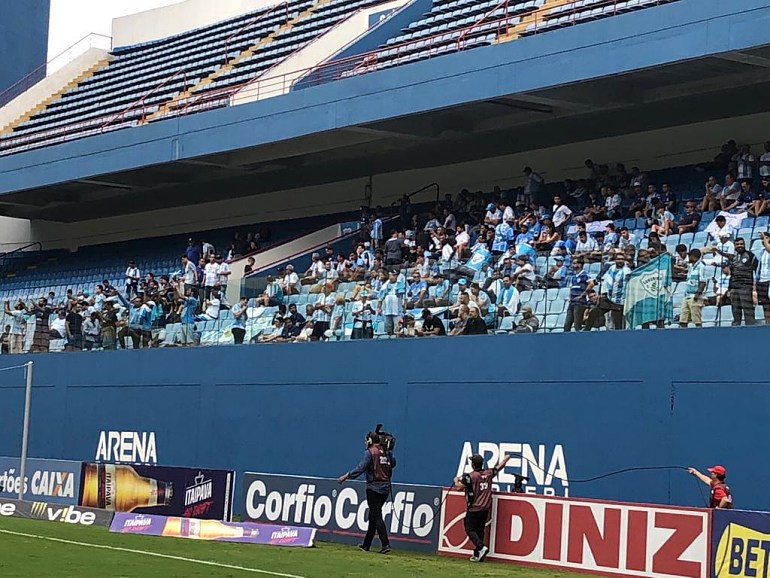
[475, 523]
[238, 333]
[742, 303]
[376, 523]
[575, 313]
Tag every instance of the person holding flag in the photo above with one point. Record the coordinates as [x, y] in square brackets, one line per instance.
[648, 294]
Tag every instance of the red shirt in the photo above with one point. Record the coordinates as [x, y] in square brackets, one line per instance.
[720, 490]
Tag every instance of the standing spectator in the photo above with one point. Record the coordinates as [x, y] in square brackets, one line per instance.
[57, 328]
[210, 277]
[695, 286]
[249, 266]
[533, 188]
[362, 317]
[132, 279]
[200, 270]
[561, 215]
[579, 284]
[18, 325]
[322, 311]
[5, 341]
[92, 331]
[391, 298]
[109, 322]
[75, 328]
[593, 318]
[208, 249]
[615, 290]
[193, 251]
[376, 230]
[763, 276]
[139, 321]
[764, 163]
[394, 249]
[474, 325]
[743, 289]
[189, 273]
[224, 273]
[337, 323]
[42, 312]
[240, 316]
[746, 163]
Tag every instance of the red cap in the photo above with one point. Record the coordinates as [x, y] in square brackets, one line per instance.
[718, 470]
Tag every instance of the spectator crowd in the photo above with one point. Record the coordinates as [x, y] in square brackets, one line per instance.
[466, 265]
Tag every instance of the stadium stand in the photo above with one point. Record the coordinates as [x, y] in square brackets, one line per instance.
[203, 68]
[451, 258]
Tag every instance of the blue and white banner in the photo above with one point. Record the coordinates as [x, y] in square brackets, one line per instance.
[648, 293]
[480, 257]
[53, 481]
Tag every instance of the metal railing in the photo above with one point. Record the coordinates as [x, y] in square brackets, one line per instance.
[143, 99]
[61, 59]
[252, 22]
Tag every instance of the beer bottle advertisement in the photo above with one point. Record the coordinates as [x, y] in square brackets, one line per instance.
[165, 491]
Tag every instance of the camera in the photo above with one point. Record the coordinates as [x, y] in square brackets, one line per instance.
[387, 440]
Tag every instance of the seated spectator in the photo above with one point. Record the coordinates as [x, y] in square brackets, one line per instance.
[528, 322]
[524, 276]
[328, 275]
[586, 245]
[290, 285]
[290, 330]
[315, 271]
[431, 325]
[713, 193]
[663, 224]
[730, 195]
[760, 203]
[506, 297]
[406, 327]
[612, 204]
[474, 324]
[272, 296]
[458, 326]
[680, 264]
[557, 273]
[480, 298]
[211, 307]
[274, 333]
[689, 222]
[416, 291]
[545, 241]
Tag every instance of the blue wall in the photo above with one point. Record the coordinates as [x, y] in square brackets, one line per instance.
[610, 401]
[664, 34]
[23, 42]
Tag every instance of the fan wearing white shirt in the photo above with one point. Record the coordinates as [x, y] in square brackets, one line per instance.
[764, 164]
[224, 274]
[210, 277]
[132, 279]
[290, 283]
[561, 214]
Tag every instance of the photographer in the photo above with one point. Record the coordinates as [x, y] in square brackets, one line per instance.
[478, 492]
[378, 465]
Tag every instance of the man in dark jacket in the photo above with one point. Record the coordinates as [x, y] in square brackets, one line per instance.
[378, 465]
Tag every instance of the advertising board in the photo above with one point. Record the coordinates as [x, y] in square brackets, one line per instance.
[55, 481]
[64, 514]
[740, 544]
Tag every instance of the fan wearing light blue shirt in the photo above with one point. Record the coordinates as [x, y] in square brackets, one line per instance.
[695, 285]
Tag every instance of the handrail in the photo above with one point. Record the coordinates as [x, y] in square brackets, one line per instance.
[251, 22]
[19, 249]
[46, 64]
[467, 30]
[142, 100]
[425, 188]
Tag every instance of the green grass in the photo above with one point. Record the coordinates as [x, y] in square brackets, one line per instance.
[28, 557]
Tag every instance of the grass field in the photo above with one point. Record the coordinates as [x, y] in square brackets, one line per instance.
[49, 550]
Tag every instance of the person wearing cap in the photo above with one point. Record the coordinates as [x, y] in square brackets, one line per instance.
[723, 248]
[524, 275]
[720, 492]
[493, 215]
[477, 485]
[431, 325]
[528, 322]
[290, 284]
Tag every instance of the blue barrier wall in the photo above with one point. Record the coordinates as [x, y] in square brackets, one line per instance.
[660, 35]
[23, 42]
[579, 405]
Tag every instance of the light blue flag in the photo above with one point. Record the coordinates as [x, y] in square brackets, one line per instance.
[648, 293]
[480, 257]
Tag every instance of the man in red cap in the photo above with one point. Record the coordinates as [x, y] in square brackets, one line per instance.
[720, 492]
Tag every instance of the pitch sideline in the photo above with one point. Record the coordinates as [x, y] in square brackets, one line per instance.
[155, 554]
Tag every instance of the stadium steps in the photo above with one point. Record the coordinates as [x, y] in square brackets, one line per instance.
[533, 18]
[39, 107]
[228, 66]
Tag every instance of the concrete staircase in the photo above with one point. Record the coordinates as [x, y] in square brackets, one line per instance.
[40, 105]
[230, 64]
